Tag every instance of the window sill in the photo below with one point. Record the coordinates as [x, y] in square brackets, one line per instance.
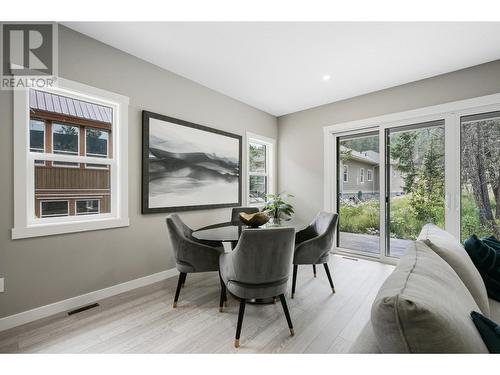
[39, 230]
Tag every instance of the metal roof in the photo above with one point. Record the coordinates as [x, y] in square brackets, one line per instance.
[63, 105]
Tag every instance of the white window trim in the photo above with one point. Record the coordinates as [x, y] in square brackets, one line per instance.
[54, 200]
[270, 144]
[369, 175]
[451, 112]
[25, 224]
[361, 175]
[87, 213]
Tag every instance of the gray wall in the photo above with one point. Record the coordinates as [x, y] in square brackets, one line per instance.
[300, 135]
[43, 270]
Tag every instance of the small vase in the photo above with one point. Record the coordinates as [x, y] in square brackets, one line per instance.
[276, 220]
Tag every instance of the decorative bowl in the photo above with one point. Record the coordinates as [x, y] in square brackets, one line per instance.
[254, 220]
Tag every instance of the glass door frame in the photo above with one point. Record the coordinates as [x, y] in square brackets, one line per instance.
[387, 176]
[451, 113]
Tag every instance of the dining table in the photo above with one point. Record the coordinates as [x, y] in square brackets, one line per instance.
[230, 232]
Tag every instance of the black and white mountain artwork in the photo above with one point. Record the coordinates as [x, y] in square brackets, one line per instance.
[191, 167]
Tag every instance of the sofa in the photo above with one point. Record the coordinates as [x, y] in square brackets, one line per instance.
[424, 306]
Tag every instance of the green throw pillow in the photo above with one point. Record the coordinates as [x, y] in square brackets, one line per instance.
[489, 331]
[487, 261]
[492, 242]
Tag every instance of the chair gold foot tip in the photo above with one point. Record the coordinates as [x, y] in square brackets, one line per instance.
[174, 305]
[220, 309]
[292, 332]
[333, 290]
[236, 343]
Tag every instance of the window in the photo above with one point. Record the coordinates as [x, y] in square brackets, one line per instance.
[87, 207]
[260, 154]
[96, 144]
[37, 136]
[74, 180]
[362, 175]
[65, 139]
[346, 174]
[369, 175]
[54, 208]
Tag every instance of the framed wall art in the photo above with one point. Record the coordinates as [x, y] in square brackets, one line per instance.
[186, 166]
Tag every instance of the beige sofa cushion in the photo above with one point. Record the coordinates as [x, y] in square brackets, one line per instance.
[424, 307]
[452, 251]
[494, 311]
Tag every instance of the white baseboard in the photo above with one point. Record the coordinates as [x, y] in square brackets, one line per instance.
[82, 300]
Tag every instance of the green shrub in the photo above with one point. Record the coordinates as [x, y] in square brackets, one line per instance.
[406, 221]
[470, 223]
[361, 217]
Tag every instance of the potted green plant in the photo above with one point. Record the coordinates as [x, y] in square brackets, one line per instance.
[277, 207]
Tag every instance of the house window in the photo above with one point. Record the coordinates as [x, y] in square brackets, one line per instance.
[346, 174]
[37, 136]
[369, 175]
[65, 140]
[54, 208]
[96, 144]
[260, 155]
[362, 175]
[87, 206]
[73, 130]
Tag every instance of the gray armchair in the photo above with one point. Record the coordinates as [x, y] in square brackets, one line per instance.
[259, 267]
[235, 213]
[190, 255]
[313, 245]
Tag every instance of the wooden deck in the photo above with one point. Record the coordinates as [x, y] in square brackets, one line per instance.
[143, 320]
[370, 244]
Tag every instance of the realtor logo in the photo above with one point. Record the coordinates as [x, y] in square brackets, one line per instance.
[28, 55]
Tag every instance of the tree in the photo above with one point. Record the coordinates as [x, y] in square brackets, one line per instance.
[481, 168]
[428, 190]
[402, 149]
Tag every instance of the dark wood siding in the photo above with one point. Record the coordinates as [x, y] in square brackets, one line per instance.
[71, 178]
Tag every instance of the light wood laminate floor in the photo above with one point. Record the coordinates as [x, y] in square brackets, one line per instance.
[143, 320]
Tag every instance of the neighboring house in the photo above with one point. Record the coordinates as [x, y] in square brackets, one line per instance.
[72, 127]
[360, 172]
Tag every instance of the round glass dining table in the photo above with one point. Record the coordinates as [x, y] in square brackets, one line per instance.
[230, 232]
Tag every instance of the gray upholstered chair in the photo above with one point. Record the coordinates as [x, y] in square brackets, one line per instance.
[235, 213]
[313, 245]
[258, 268]
[190, 256]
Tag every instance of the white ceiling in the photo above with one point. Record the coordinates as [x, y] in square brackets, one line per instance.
[279, 67]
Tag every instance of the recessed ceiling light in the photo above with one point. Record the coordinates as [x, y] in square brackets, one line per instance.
[326, 77]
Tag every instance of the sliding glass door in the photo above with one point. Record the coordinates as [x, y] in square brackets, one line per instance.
[415, 182]
[394, 174]
[412, 179]
[358, 176]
